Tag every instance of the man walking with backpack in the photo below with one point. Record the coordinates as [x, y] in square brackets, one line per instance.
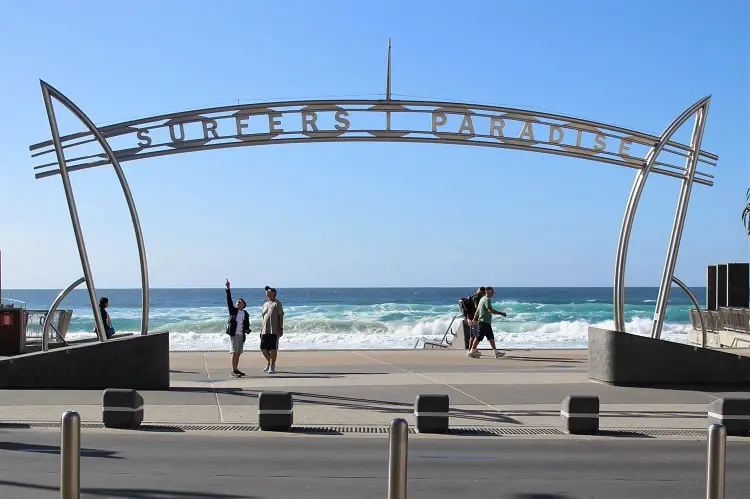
[483, 317]
[469, 307]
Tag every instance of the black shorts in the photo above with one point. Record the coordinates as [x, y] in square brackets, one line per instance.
[485, 331]
[269, 342]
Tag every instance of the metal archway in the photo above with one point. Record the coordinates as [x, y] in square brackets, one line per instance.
[310, 121]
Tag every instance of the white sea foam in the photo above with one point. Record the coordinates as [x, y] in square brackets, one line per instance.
[204, 331]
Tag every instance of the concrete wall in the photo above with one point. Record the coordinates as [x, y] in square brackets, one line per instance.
[627, 359]
[137, 362]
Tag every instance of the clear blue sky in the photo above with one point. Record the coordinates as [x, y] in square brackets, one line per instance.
[371, 214]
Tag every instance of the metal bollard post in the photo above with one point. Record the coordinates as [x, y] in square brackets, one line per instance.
[717, 460]
[70, 456]
[397, 456]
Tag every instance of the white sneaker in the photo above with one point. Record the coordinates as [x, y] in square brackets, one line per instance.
[473, 355]
[265, 369]
[499, 354]
[271, 371]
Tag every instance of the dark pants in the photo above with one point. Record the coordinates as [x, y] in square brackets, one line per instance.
[485, 331]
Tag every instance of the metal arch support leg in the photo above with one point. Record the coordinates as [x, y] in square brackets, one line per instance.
[679, 222]
[632, 207]
[697, 307]
[51, 312]
[73, 213]
[145, 291]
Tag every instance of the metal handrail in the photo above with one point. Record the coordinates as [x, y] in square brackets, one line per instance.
[445, 336]
[14, 301]
[697, 306]
[53, 309]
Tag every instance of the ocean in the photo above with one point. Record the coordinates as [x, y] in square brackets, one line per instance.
[372, 318]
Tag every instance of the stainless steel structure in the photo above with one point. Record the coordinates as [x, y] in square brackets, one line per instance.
[716, 462]
[48, 92]
[397, 458]
[307, 121]
[53, 308]
[692, 297]
[70, 456]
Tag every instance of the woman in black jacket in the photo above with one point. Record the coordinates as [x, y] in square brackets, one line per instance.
[238, 327]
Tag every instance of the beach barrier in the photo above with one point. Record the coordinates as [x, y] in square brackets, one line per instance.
[398, 453]
[732, 413]
[432, 413]
[275, 411]
[122, 408]
[716, 462]
[70, 456]
[580, 414]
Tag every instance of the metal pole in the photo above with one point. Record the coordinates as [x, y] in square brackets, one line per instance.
[70, 456]
[145, 288]
[632, 207]
[51, 312]
[73, 212]
[397, 456]
[717, 460]
[697, 307]
[679, 222]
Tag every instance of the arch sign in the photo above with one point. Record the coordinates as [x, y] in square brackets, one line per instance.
[384, 120]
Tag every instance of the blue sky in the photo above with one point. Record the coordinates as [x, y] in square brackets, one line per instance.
[371, 214]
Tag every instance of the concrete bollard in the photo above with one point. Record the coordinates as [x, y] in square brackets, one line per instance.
[732, 413]
[432, 413]
[275, 411]
[122, 408]
[580, 414]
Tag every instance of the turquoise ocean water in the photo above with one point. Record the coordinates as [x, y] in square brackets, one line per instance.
[375, 317]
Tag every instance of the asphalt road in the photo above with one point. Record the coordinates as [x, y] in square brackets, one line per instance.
[229, 466]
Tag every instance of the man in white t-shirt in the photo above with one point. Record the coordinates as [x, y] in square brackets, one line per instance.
[271, 329]
[238, 327]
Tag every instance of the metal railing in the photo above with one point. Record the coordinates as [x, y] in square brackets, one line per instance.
[444, 342]
[12, 303]
[724, 319]
[59, 325]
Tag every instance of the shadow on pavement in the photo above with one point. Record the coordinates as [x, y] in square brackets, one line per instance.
[133, 493]
[54, 449]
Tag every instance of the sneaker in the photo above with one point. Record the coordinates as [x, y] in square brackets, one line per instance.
[473, 355]
[272, 370]
[235, 374]
[499, 354]
[265, 369]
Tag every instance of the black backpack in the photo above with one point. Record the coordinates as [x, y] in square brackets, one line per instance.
[467, 306]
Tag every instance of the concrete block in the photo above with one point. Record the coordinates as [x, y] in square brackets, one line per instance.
[432, 413]
[631, 360]
[122, 408]
[733, 413]
[580, 414]
[133, 362]
[275, 411]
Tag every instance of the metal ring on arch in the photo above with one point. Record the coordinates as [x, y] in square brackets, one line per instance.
[59, 96]
[632, 206]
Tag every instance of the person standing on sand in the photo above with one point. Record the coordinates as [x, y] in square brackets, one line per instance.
[237, 328]
[484, 316]
[271, 329]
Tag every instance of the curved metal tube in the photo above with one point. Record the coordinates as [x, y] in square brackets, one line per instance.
[678, 226]
[632, 207]
[73, 211]
[697, 307]
[53, 308]
[50, 90]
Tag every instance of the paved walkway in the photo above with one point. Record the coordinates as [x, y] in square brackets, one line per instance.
[369, 387]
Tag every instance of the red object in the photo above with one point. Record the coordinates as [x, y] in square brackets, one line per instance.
[6, 320]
